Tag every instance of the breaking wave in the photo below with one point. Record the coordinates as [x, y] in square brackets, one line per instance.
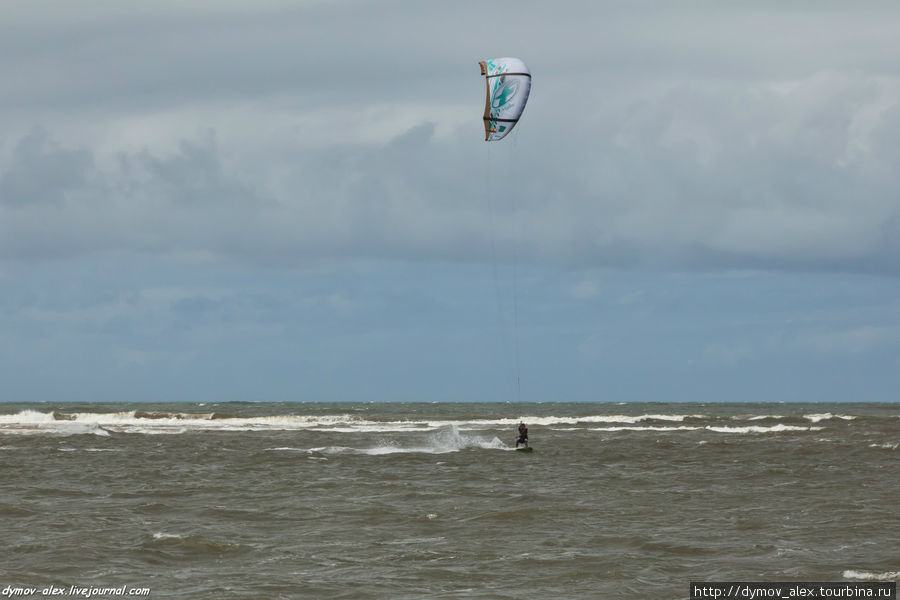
[815, 418]
[868, 576]
[747, 429]
[161, 422]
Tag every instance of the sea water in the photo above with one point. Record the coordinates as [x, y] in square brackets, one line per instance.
[255, 500]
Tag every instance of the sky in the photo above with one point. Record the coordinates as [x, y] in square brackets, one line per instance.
[246, 200]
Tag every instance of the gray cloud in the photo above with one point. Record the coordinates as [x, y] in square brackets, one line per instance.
[716, 136]
[786, 174]
[42, 173]
[237, 200]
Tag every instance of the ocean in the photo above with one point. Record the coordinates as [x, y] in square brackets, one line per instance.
[402, 501]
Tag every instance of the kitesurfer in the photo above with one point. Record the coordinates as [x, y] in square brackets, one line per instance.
[523, 435]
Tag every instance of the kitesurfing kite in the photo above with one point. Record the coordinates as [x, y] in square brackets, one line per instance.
[508, 82]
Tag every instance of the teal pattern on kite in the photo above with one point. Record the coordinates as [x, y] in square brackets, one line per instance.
[508, 82]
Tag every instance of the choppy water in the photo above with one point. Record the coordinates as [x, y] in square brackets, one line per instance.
[429, 501]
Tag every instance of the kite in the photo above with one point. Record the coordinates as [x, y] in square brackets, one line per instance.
[508, 82]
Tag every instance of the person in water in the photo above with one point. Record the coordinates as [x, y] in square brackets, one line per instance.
[523, 435]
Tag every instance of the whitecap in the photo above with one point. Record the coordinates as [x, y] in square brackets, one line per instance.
[28, 422]
[885, 446]
[718, 429]
[758, 429]
[815, 418]
[331, 450]
[869, 576]
[636, 418]
[644, 428]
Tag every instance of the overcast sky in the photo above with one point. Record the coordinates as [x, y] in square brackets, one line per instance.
[248, 200]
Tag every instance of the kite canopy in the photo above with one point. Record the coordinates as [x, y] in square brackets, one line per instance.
[508, 82]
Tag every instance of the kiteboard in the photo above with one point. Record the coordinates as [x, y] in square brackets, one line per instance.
[523, 449]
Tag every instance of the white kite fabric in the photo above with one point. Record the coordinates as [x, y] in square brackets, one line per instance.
[508, 83]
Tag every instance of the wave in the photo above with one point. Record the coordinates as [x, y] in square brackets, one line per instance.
[136, 421]
[163, 422]
[30, 422]
[815, 418]
[885, 446]
[747, 429]
[868, 576]
[646, 428]
[638, 418]
[759, 429]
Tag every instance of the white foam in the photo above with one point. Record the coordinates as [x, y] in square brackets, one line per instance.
[885, 446]
[332, 450]
[815, 418]
[748, 429]
[30, 421]
[631, 418]
[140, 422]
[27, 417]
[758, 429]
[869, 576]
[644, 428]
[380, 428]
